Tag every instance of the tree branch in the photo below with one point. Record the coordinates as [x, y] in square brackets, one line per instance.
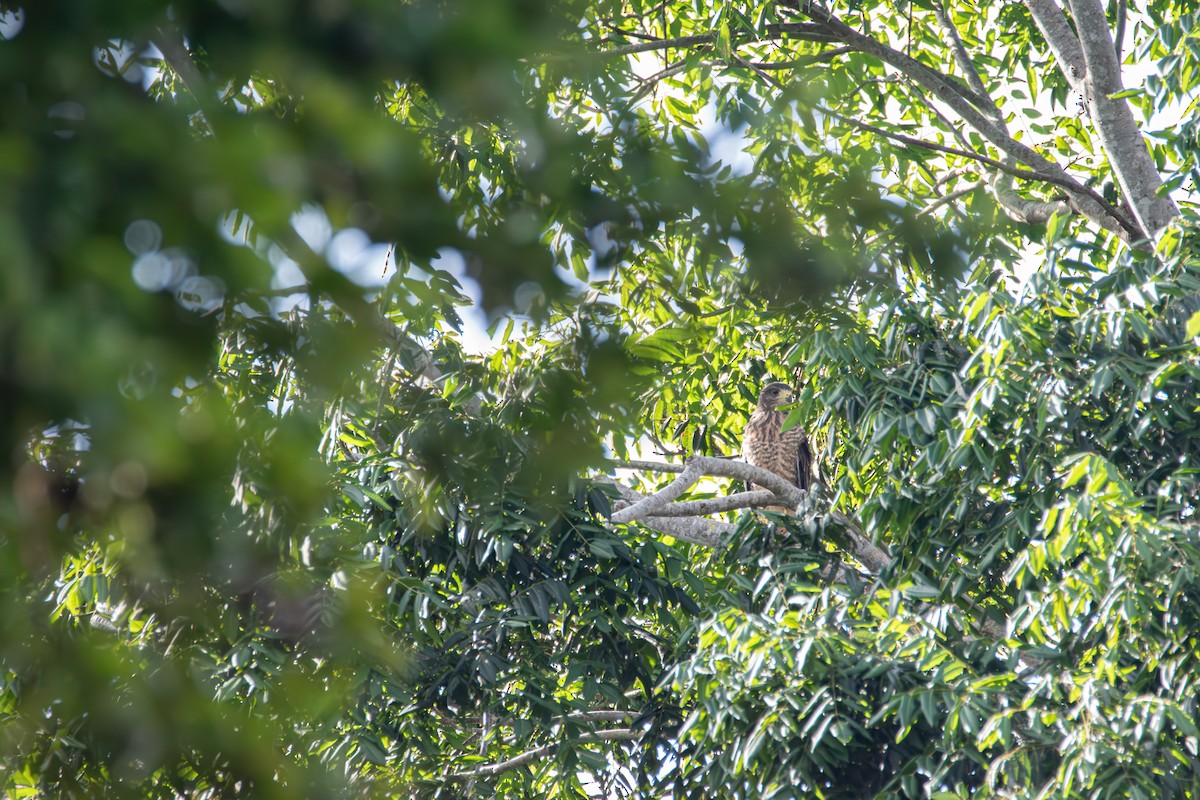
[487, 770]
[929, 209]
[974, 106]
[950, 198]
[648, 505]
[1115, 125]
[967, 105]
[800, 30]
[805, 61]
[717, 505]
[1034, 212]
[649, 466]
[871, 555]
[940, 148]
[1119, 35]
[693, 530]
[963, 59]
[710, 532]
[657, 44]
[1063, 44]
[175, 53]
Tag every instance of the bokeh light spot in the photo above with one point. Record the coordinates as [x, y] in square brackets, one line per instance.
[201, 293]
[11, 23]
[68, 114]
[143, 236]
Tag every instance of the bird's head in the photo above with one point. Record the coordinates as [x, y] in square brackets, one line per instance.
[774, 395]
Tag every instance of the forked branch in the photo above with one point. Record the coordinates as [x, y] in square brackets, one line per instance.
[683, 520]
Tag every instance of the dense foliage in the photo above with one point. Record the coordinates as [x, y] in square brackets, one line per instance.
[281, 525]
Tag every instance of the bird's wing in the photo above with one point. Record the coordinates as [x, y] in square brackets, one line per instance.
[804, 462]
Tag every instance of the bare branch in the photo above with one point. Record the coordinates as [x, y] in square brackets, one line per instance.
[872, 556]
[967, 105]
[732, 468]
[759, 72]
[718, 505]
[646, 37]
[657, 44]
[647, 506]
[805, 61]
[929, 209]
[487, 770]
[963, 59]
[649, 466]
[698, 466]
[1052, 22]
[1119, 36]
[648, 84]
[1034, 212]
[693, 530]
[950, 198]
[1119, 134]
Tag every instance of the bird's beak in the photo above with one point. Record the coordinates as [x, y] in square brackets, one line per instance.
[788, 395]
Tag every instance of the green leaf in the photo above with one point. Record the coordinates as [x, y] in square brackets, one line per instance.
[1193, 325]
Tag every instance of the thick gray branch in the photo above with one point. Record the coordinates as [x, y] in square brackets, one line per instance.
[1052, 22]
[648, 505]
[693, 530]
[963, 59]
[1119, 132]
[967, 105]
[1035, 212]
[716, 505]
[710, 532]
[698, 466]
[487, 770]
[871, 555]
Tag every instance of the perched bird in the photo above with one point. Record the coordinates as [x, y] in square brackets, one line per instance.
[765, 444]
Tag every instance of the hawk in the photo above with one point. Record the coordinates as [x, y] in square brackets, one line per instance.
[765, 444]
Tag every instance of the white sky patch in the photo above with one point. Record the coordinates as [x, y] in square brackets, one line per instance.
[476, 338]
[725, 144]
[11, 23]
[314, 226]
[287, 274]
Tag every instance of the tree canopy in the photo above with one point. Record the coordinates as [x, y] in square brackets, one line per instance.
[278, 524]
